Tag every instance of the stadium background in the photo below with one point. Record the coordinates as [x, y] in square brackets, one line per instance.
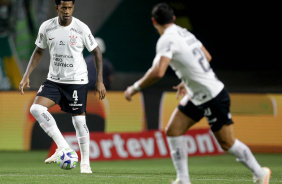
[243, 40]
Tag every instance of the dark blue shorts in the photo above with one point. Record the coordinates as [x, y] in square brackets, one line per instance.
[72, 98]
[217, 111]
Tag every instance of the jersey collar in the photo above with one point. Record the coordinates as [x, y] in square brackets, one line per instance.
[65, 26]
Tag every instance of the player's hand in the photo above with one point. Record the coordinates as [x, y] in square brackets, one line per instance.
[100, 89]
[181, 91]
[23, 83]
[129, 92]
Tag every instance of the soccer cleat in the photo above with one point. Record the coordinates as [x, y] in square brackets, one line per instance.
[178, 181]
[53, 158]
[84, 168]
[265, 178]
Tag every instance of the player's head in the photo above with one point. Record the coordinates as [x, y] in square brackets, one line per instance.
[65, 9]
[163, 14]
[58, 2]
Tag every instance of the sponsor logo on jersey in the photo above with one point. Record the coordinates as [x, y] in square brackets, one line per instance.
[169, 46]
[63, 56]
[62, 43]
[90, 39]
[51, 29]
[75, 30]
[63, 64]
[40, 38]
[51, 38]
[75, 105]
[191, 41]
[58, 58]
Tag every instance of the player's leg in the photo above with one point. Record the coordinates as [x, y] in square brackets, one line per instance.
[183, 117]
[82, 134]
[223, 131]
[75, 103]
[226, 139]
[178, 124]
[40, 112]
[47, 96]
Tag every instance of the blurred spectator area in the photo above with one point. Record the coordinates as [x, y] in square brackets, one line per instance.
[242, 38]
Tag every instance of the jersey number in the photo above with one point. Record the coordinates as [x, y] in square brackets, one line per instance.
[196, 51]
[206, 66]
[74, 95]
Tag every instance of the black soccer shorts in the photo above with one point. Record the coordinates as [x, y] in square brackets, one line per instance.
[72, 98]
[217, 111]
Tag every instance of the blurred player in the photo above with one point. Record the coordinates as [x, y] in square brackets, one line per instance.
[189, 59]
[66, 83]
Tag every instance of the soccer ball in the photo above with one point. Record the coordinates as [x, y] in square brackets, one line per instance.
[67, 159]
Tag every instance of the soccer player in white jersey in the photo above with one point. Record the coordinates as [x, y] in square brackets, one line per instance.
[66, 83]
[208, 98]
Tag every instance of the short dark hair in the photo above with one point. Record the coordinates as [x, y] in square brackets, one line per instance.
[58, 2]
[163, 13]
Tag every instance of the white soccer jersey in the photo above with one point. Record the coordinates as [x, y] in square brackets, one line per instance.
[189, 63]
[66, 44]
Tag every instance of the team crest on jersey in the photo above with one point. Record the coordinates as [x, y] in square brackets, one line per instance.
[72, 40]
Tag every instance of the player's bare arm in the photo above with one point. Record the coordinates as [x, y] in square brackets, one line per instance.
[155, 73]
[99, 86]
[33, 62]
[207, 54]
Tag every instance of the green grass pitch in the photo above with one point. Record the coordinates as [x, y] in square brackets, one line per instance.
[29, 168]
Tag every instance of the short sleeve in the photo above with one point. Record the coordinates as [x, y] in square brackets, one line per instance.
[41, 40]
[199, 43]
[165, 47]
[89, 41]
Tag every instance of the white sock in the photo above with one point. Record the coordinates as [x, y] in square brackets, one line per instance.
[179, 156]
[82, 134]
[245, 156]
[48, 124]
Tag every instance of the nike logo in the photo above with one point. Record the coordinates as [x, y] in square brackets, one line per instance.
[74, 108]
[51, 38]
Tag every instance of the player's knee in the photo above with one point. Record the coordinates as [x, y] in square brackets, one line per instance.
[168, 131]
[225, 145]
[80, 125]
[78, 122]
[37, 109]
[172, 132]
